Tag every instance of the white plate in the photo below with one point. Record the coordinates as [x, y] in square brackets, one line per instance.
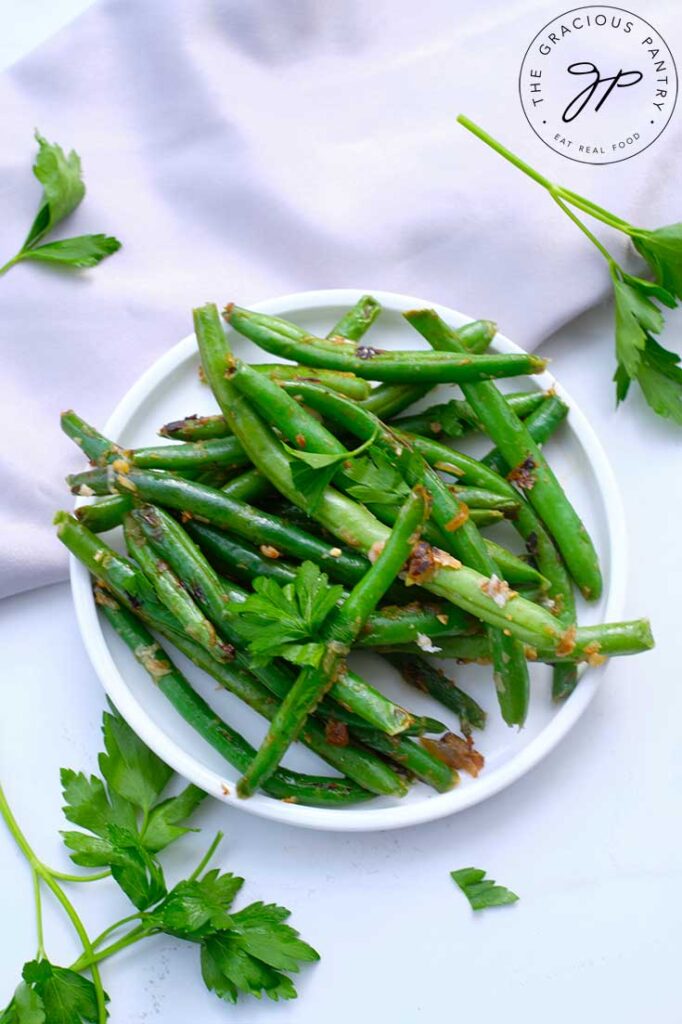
[171, 389]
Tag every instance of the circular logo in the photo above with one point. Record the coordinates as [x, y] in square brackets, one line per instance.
[598, 84]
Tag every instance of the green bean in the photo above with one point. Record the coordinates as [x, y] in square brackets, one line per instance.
[520, 451]
[389, 624]
[160, 487]
[345, 383]
[319, 439]
[539, 543]
[289, 342]
[419, 672]
[171, 591]
[417, 760]
[456, 417]
[284, 784]
[592, 644]
[303, 430]
[513, 568]
[467, 470]
[109, 512]
[540, 424]
[342, 628]
[237, 558]
[357, 320]
[478, 498]
[196, 428]
[105, 514]
[225, 452]
[388, 400]
[461, 586]
[100, 450]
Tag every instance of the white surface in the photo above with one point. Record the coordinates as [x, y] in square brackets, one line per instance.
[171, 387]
[590, 840]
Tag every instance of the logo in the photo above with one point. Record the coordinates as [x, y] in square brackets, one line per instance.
[598, 84]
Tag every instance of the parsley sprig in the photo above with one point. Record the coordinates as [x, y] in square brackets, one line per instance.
[63, 190]
[482, 892]
[638, 301]
[286, 621]
[377, 480]
[312, 472]
[126, 823]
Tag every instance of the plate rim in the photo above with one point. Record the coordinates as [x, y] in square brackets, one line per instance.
[366, 819]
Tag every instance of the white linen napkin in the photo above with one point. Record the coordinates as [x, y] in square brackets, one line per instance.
[246, 150]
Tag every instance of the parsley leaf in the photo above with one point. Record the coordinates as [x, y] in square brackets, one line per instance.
[90, 806]
[660, 379]
[377, 480]
[164, 824]
[80, 252]
[244, 952]
[136, 870]
[129, 766]
[198, 907]
[26, 1007]
[250, 958]
[649, 289]
[228, 970]
[663, 359]
[312, 472]
[135, 777]
[133, 867]
[636, 316]
[450, 417]
[63, 189]
[622, 382]
[263, 935]
[285, 621]
[481, 892]
[662, 250]
[60, 995]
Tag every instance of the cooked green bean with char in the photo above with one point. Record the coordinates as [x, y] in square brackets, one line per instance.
[283, 339]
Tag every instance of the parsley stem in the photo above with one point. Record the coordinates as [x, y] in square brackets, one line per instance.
[91, 958]
[504, 152]
[114, 927]
[557, 191]
[9, 264]
[77, 878]
[40, 954]
[596, 211]
[586, 231]
[219, 836]
[39, 869]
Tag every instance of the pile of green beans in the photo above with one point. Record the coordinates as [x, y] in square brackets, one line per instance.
[233, 503]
